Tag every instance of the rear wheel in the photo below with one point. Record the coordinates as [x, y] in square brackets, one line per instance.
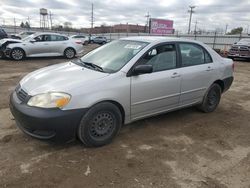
[211, 99]
[17, 54]
[69, 53]
[100, 125]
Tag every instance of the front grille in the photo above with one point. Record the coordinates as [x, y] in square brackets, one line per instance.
[21, 94]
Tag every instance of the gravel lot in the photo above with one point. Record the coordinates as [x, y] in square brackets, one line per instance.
[185, 148]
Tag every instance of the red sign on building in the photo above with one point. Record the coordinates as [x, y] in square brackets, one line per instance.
[161, 27]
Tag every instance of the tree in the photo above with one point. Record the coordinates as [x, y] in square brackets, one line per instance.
[27, 25]
[67, 25]
[22, 25]
[236, 31]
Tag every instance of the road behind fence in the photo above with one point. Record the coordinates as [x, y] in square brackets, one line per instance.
[222, 42]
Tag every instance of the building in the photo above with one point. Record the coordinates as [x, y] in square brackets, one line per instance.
[119, 28]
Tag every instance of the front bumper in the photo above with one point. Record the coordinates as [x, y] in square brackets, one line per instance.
[7, 52]
[239, 51]
[46, 124]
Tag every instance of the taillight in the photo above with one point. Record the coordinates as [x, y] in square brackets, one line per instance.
[78, 42]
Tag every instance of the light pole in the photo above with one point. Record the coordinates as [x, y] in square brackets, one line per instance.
[191, 11]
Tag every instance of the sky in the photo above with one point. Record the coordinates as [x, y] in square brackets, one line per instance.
[209, 14]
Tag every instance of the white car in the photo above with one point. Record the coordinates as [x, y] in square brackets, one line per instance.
[118, 83]
[44, 45]
[84, 39]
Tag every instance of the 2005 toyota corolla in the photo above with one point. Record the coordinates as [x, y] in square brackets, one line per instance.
[120, 82]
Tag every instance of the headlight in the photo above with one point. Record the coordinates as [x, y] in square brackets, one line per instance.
[50, 100]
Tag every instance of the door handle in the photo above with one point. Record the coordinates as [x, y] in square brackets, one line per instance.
[209, 68]
[175, 75]
[46, 44]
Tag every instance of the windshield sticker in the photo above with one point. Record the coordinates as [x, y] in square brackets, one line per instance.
[132, 46]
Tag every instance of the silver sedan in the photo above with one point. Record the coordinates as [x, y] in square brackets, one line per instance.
[44, 45]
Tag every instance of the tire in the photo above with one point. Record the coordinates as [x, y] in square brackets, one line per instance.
[17, 54]
[69, 53]
[211, 99]
[2, 55]
[100, 125]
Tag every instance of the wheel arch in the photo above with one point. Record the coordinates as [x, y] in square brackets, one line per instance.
[221, 84]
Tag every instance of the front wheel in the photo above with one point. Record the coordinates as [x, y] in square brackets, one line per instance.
[17, 54]
[211, 99]
[69, 53]
[100, 125]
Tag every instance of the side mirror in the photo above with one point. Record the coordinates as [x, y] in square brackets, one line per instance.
[142, 69]
[32, 40]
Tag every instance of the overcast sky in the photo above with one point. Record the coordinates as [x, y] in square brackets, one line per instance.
[210, 14]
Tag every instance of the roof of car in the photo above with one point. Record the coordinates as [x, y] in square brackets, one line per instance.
[48, 33]
[152, 39]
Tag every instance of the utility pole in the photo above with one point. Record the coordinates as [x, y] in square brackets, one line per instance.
[226, 29]
[191, 11]
[195, 31]
[15, 25]
[50, 18]
[147, 23]
[92, 17]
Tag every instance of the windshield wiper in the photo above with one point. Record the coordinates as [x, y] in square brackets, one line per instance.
[96, 67]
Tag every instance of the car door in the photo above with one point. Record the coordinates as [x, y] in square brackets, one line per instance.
[158, 91]
[56, 45]
[37, 46]
[197, 73]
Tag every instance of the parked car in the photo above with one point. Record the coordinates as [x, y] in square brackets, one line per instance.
[121, 82]
[22, 34]
[91, 38]
[82, 38]
[4, 43]
[3, 34]
[44, 45]
[100, 40]
[240, 49]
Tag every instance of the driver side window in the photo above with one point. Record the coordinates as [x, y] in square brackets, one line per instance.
[161, 57]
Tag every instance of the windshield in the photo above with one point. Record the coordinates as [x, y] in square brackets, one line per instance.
[114, 55]
[245, 40]
[28, 38]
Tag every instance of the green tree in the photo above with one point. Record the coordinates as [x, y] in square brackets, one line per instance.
[236, 31]
[22, 25]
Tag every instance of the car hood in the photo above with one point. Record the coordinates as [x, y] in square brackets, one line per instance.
[10, 40]
[60, 77]
[242, 44]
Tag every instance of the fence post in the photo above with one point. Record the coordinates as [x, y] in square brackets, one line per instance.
[214, 39]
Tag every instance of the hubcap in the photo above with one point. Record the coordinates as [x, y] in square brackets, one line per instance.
[17, 54]
[102, 125]
[70, 53]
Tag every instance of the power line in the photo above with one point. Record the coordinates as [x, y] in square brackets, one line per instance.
[191, 11]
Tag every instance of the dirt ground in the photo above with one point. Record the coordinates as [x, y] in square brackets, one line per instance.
[185, 148]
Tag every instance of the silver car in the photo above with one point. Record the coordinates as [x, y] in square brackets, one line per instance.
[44, 45]
[121, 82]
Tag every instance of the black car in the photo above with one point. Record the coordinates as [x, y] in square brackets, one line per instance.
[3, 34]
